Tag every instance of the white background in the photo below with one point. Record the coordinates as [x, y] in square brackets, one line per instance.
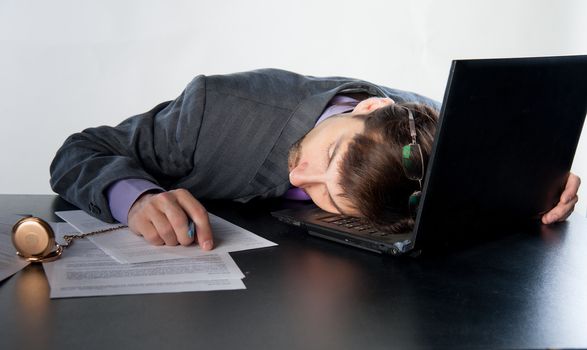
[69, 64]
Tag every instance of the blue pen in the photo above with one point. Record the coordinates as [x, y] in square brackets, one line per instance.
[191, 230]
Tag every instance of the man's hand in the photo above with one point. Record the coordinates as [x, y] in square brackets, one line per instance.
[162, 218]
[567, 202]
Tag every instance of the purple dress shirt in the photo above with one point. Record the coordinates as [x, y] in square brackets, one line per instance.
[123, 193]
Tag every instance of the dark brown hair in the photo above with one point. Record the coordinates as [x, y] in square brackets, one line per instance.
[371, 171]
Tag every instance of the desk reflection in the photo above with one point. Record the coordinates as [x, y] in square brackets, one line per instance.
[321, 289]
[32, 296]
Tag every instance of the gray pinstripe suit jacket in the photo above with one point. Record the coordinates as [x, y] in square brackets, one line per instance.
[225, 136]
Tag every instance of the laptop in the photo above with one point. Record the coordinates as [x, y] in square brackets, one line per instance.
[504, 145]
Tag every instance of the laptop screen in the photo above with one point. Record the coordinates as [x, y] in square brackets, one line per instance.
[505, 142]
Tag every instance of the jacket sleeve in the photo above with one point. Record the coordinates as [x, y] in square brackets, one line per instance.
[157, 146]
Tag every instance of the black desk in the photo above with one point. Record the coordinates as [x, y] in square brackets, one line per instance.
[522, 291]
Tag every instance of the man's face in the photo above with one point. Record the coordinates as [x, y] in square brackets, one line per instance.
[314, 160]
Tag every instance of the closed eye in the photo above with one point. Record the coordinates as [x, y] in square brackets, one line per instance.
[331, 157]
[332, 154]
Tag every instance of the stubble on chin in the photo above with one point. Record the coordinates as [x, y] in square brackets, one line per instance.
[295, 153]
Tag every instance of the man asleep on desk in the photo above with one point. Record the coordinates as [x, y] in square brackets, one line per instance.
[258, 134]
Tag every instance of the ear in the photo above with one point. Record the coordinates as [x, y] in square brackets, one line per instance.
[371, 104]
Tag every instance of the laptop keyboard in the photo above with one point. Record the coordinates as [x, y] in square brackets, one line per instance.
[357, 225]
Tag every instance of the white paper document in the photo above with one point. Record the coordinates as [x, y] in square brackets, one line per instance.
[62, 229]
[126, 247]
[84, 270]
[10, 263]
[84, 222]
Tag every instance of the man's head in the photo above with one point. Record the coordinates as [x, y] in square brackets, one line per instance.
[351, 163]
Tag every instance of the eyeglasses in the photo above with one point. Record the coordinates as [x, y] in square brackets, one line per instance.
[413, 164]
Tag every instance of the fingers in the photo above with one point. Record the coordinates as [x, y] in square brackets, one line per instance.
[148, 231]
[164, 228]
[567, 201]
[561, 212]
[178, 224]
[199, 216]
[571, 188]
[152, 236]
[163, 219]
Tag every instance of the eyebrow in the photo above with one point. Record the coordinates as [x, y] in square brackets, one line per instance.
[334, 152]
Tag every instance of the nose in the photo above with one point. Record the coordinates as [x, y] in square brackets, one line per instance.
[304, 175]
